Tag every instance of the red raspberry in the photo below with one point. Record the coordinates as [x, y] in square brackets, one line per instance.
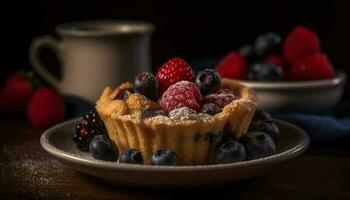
[181, 94]
[300, 43]
[313, 67]
[221, 98]
[172, 71]
[277, 60]
[232, 66]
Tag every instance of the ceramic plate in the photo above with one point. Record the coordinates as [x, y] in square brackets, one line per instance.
[58, 142]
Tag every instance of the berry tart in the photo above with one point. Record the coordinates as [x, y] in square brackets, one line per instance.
[175, 117]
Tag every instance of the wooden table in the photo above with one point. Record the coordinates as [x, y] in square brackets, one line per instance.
[28, 172]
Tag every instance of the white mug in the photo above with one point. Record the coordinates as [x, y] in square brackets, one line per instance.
[95, 54]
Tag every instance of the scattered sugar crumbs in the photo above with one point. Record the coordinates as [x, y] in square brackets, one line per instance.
[30, 170]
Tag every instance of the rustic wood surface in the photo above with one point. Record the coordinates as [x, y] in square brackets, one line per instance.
[28, 172]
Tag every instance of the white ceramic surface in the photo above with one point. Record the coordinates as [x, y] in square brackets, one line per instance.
[95, 54]
[306, 96]
[58, 142]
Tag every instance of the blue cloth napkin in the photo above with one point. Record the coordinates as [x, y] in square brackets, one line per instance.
[333, 126]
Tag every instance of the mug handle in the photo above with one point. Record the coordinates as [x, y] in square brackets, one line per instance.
[38, 44]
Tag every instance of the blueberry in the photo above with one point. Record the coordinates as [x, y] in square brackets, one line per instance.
[267, 44]
[164, 157]
[262, 115]
[265, 72]
[147, 85]
[247, 51]
[103, 148]
[210, 109]
[258, 145]
[208, 81]
[147, 113]
[229, 152]
[131, 156]
[267, 127]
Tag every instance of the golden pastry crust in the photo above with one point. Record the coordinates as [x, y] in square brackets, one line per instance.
[126, 127]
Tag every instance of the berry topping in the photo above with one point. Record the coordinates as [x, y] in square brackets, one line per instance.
[179, 113]
[221, 98]
[258, 145]
[229, 152]
[232, 66]
[147, 85]
[103, 148]
[265, 72]
[300, 43]
[210, 109]
[246, 51]
[147, 113]
[131, 156]
[208, 81]
[267, 44]
[164, 157]
[90, 126]
[174, 70]
[313, 67]
[181, 94]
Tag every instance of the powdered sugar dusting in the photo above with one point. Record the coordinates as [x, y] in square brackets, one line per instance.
[29, 168]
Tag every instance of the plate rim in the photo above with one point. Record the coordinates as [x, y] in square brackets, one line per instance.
[63, 155]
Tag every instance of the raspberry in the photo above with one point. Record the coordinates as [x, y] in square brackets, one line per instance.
[181, 94]
[314, 67]
[300, 43]
[232, 66]
[221, 98]
[277, 60]
[172, 71]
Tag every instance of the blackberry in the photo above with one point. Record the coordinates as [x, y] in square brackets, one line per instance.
[90, 126]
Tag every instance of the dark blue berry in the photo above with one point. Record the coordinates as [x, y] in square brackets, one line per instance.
[147, 85]
[267, 44]
[131, 156]
[164, 157]
[265, 72]
[147, 113]
[208, 81]
[103, 148]
[229, 152]
[258, 145]
[124, 94]
[267, 127]
[261, 115]
[247, 51]
[210, 109]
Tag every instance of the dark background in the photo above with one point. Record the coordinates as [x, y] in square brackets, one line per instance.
[188, 29]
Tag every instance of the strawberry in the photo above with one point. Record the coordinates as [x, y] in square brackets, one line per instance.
[46, 108]
[300, 43]
[181, 94]
[313, 67]
[232, 66]
[16, 92]
[172, 71]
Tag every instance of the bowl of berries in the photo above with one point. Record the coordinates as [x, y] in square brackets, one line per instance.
[287, 75]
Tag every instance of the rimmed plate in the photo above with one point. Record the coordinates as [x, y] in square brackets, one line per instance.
[58, 142]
